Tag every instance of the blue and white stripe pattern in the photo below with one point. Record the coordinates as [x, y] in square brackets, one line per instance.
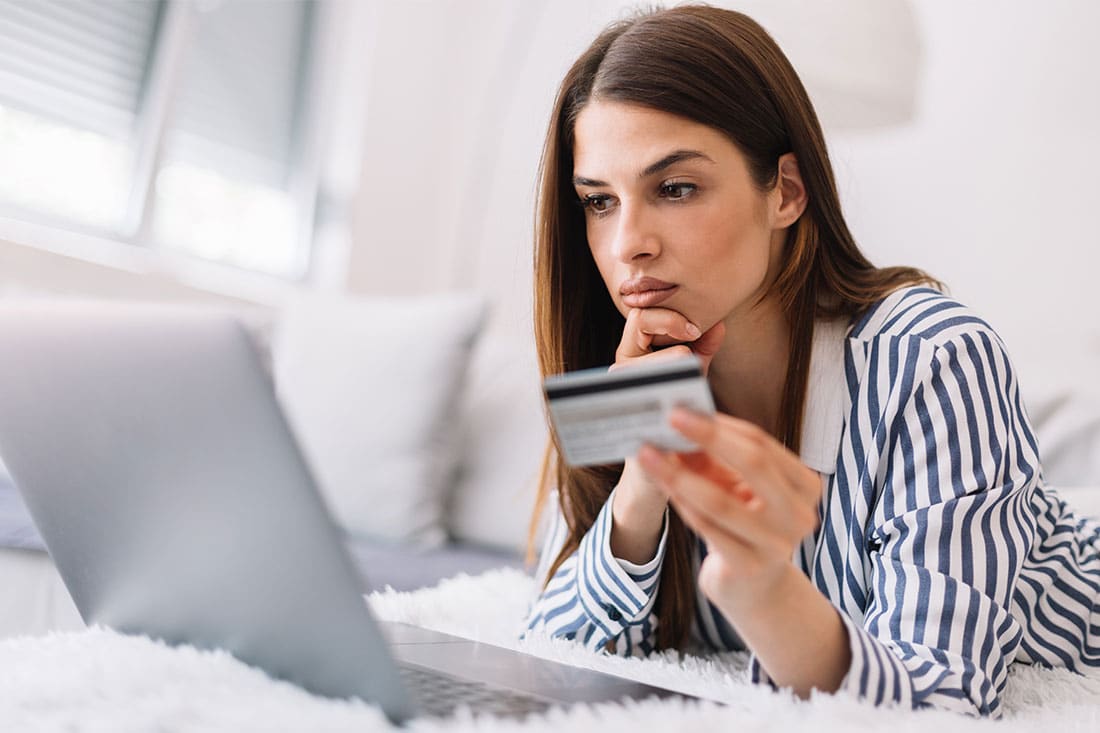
[945, 553]
[600, 598]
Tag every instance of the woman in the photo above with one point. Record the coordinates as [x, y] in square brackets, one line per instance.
[869, 427]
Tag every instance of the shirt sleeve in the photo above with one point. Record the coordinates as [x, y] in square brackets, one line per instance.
[603, 601]
[956, 469]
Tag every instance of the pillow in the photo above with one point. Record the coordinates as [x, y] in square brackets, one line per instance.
[1067, 427]
[1083, 500]
[503, 435]
[370, 386]
[1063, 402]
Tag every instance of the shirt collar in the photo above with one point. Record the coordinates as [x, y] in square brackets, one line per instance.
[823, 415]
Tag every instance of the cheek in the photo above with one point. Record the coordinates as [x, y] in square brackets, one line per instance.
[723, 243]
[737, 237]
[729, 262]
[604, 261]
[608, 267]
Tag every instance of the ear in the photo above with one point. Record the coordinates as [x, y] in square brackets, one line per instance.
[790, 192]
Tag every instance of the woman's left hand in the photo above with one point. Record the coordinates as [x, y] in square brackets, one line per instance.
[751, 499]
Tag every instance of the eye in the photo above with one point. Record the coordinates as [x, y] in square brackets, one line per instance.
[676, 191]
[597, 203]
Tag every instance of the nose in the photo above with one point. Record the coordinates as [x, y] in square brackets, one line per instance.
[636, 236]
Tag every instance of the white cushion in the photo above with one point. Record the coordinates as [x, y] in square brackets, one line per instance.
[1067, 427]
[503, 437]
[371, 387]
[1084, 500]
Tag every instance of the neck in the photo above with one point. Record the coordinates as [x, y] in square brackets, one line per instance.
[748, 374]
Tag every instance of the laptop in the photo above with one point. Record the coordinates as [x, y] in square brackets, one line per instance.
[152, 454]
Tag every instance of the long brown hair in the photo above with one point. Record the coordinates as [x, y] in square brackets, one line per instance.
[719, 68]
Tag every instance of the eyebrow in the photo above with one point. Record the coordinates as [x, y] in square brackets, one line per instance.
[669, 160]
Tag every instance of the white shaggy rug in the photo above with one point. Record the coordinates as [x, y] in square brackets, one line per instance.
[98, 680]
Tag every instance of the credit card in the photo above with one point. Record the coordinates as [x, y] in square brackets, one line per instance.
[603, 416]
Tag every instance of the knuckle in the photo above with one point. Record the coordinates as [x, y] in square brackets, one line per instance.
[677, 478]
[725, 505]
[757, 436]
[755, 459]
[712, 436]
[631, 325]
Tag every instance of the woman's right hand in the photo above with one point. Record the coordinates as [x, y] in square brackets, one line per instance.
[647, 328]
[639, 507]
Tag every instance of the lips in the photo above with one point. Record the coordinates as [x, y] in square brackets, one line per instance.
[646, 292]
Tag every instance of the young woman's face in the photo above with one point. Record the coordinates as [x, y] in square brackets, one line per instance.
[673, 217]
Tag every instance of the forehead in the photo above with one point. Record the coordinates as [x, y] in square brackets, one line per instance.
[613, 137]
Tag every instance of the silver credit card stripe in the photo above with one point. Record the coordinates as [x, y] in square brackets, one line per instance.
[673, 370]
[612, 423]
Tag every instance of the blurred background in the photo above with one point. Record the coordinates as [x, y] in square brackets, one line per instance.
[261, 154]
[248, 148]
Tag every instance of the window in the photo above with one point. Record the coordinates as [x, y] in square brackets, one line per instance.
[182, 126]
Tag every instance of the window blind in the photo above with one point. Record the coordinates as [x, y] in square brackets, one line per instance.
[81, 62]
[198, 108]
[241, 88]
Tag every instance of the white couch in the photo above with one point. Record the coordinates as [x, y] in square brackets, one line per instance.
[421, 418]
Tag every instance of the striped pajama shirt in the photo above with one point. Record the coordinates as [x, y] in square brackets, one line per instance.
[946, 555]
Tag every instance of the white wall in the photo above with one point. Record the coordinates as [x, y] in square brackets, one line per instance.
[989, 186]
[460, 94]
[993, 186]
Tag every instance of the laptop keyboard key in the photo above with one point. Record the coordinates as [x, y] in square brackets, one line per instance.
[440, 694]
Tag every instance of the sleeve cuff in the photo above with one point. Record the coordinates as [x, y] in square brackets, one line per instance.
[876, 673]
[609, 588]
[647, 575]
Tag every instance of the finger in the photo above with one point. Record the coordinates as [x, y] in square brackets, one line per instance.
[718, 473]
[701, 496]
[742, 451]
[667, 322]
[733, 525]
[789, 491]
[718, 539]
[635, 342]
[669, 354]
[773, 518]
[646, 327]
[757, 455]
[707, 345]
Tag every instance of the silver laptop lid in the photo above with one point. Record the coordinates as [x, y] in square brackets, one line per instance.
[151, 452]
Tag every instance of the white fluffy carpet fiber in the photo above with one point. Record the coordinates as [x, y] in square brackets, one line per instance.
[97, 680]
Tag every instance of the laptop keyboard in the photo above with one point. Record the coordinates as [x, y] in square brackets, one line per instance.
[439, 694]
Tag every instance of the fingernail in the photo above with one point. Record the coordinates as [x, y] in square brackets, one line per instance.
[694, 331]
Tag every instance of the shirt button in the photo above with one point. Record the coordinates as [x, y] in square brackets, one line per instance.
[612, 612]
